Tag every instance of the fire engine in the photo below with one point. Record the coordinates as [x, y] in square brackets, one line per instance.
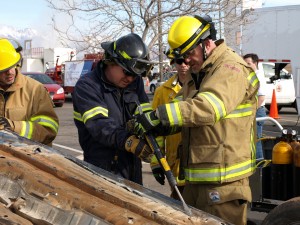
[69, 72]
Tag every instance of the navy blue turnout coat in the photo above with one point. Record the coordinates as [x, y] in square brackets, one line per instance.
[101, 111]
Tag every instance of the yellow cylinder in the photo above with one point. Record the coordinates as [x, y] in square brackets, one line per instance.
[282, 153]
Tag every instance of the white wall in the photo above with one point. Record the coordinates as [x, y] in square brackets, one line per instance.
[32, 65]
[50, 55]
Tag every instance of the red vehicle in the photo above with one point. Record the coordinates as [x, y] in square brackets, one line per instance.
[56, 92]
[55, 74]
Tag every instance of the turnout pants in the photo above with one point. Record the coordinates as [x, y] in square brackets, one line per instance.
[227, 201]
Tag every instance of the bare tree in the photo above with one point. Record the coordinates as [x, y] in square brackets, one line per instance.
[84, 24]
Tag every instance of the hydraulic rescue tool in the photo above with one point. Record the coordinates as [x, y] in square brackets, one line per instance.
[165, 166]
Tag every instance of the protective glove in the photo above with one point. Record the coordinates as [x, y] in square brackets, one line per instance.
[159, 175]
[139, 148]
[130, 126]
[4, 123]
[157, 171]
[146, 122]
[135, 128]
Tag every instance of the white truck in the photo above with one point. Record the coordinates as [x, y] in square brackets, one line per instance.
[273, 34]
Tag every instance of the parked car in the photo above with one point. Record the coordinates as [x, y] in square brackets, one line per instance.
[56, 92]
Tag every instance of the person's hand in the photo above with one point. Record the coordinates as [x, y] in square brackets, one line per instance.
[130, 126]
[157, 171]
[135, 128]
[145, 122]
[139, 148]
[4, 123]
[159, 175]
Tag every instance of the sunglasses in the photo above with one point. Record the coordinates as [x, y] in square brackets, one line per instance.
[180, 61]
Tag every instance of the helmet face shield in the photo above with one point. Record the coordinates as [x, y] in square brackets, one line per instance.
[134, 67]
[139, 66]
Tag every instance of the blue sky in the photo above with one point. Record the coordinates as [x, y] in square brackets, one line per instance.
[22, 14]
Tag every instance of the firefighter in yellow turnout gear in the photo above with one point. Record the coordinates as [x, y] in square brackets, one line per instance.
[217, 117]
[25, 105]
[165, 94]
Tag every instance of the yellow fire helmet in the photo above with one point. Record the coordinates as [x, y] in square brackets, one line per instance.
[187, 32]
[9, 56]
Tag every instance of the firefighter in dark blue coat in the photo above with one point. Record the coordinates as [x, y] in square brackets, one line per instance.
[105, 99]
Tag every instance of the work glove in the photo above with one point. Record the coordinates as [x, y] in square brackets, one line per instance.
[146, 122]
[139, 148]
[4, 123]
[157, 171]
[130, 126]
[134, 128]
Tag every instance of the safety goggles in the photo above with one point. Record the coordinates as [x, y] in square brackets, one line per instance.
[138, 66]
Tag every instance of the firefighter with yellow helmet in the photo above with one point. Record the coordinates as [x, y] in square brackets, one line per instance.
[217, 117]
[26, 106]
[168, 92]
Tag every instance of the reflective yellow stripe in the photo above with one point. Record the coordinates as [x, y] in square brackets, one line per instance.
[224, 174]
[216, 103]
[46, 121]
[146, 107]
[27, 129]
[77, 116]
[174, 114]
[218, 174]
[177, 99]
[252, 78]
[241, 111]
[124, 54]
[93, 112]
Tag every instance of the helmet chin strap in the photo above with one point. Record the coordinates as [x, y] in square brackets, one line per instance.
[204, 54]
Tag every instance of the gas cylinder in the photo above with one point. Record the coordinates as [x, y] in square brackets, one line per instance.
[282, 169]
[296, 167]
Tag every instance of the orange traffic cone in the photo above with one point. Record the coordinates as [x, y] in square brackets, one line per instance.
[273, 108]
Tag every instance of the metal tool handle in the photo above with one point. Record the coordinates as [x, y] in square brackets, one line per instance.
[167, 170]
[164, 165]
[161, 159]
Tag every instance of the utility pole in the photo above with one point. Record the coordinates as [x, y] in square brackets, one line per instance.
[160, 47]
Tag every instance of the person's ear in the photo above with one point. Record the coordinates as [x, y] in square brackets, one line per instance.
[207, 43]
